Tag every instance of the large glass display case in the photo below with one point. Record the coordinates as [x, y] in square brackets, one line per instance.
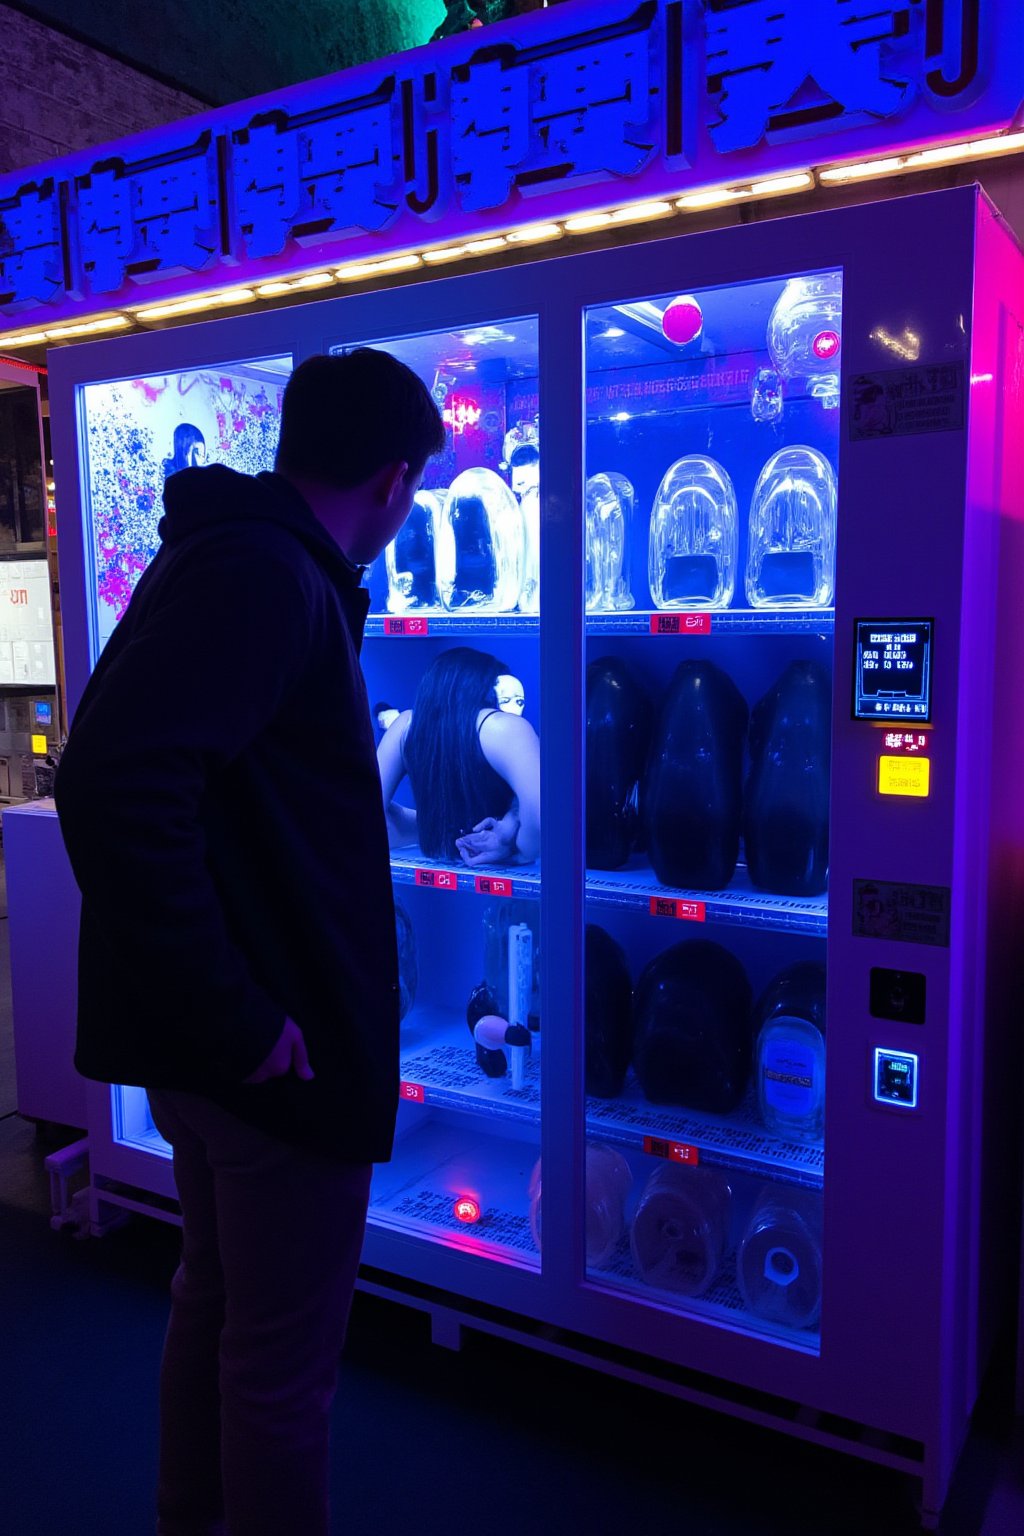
[712, 442]
[452, 667]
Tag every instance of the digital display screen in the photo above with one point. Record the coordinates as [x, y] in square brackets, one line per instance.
[893, 669]
[26, 624]
[43, 713]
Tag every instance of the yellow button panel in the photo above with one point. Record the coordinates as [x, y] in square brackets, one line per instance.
[39, 746]
[904, 776]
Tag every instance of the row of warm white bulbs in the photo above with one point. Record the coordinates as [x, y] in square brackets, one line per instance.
[530, 234]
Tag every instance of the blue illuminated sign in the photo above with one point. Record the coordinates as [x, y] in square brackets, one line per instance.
[896, 1078]
[557, 112]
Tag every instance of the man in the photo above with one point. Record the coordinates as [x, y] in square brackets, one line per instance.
[221, 807]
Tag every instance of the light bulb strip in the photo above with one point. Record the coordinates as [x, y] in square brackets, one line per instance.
[704, 200]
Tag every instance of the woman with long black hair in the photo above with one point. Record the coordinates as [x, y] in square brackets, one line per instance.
[474, 770]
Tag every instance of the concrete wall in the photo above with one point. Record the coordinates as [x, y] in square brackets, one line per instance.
[58, 95]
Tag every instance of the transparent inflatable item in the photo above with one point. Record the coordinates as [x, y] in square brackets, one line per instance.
[791, 550]
[694, 537]
[766, 396]
[609, 1181]
[805, 334]
[412, 581]
[681, 1229]
[610, 499]
[778, 1263]
[480, 545]
[529, 506]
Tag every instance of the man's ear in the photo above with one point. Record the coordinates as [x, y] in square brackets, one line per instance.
[391, 480]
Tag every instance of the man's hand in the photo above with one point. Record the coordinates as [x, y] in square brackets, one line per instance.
[288, 1055]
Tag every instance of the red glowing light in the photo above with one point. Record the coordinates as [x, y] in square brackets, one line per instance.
[683, 320]
[825, 345]
[467, 1210]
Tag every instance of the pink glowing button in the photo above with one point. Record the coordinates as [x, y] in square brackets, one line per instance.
[467, 1210]
[683, 320]
[825, 345]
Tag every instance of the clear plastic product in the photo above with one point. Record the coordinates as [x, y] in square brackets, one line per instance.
[480, 545]
[790, 1052]
[609, 515]
[608, 1184]
[791, 552]
[412, 580]
[778, 1263]
[529, 598]
[694, 537]
[766, 396]
[805, 334]
[681, 1228]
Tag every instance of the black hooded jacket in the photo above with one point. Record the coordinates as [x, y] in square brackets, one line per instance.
[221, 807]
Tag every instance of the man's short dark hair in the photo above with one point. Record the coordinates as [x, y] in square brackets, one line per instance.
[526, 453]
[345, 417]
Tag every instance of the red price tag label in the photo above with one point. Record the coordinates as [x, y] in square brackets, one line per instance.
[671, 906]
[406, 626]
[438, 879]
[680, 623]
[490, 885]
[672, 1151]
[413, 1093]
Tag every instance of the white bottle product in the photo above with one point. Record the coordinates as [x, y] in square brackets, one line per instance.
[791, 550]
[480, 545]
[520, 973]
[694, 536]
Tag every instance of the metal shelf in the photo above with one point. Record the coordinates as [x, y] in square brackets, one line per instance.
[439, 1071]
[732, 621]
[740, 905]
[414, 868]
[440, 623]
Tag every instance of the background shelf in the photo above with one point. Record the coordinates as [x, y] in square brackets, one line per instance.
[740, 904]
[441, 623]
[525, 879]
[732, 621]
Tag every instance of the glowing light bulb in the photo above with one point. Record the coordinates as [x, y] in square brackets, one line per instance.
[467, 1210]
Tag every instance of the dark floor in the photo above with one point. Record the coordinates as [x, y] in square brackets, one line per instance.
[495, 1439]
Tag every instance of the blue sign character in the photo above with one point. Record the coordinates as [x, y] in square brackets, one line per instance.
[328, 172]
[581, 107]
[31, 257]
[151, 219]
[765, 58]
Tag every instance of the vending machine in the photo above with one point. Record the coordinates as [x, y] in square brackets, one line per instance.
[707, 856]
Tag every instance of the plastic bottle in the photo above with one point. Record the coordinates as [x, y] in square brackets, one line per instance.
[805, 334]
[481, 545]
[618, 740]
[693, 794]
[789, 1055]
[778, 1263]
[692, 1027]
[608, 1183]
[786, 804]
[504, 954]
[791, 548]
[694, 537]
[681, 1227]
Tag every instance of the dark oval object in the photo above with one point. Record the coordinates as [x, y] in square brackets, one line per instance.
[798, 992]
[608, 1029]
[693, 797]
[692, 1039]
[786, 810]
[618, 741]
[482, 1000]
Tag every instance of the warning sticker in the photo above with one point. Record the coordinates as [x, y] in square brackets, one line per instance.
[902, 402]
[913, 914]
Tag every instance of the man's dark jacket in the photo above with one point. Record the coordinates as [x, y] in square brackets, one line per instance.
[221, 807]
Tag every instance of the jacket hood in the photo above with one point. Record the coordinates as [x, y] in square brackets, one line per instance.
[198, 500]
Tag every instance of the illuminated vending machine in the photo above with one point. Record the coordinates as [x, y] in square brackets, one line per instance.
[692, 672]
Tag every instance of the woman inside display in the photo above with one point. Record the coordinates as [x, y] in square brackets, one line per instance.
[474, 770]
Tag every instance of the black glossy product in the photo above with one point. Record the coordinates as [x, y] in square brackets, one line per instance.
[608, 1015]
[619, 719]
[693, 796]
[786, 806]
[482, 1000]
[692, 1028]
[798, 992]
